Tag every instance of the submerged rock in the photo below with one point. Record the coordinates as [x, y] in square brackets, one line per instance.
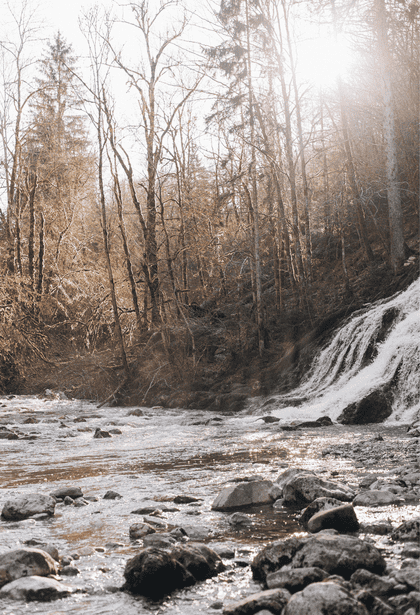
[24, 563]
[35, 588]
[244, 494]
[27, 506]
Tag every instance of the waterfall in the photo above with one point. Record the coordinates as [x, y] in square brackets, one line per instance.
[376, 346]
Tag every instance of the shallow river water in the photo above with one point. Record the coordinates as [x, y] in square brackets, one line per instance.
[159, 455]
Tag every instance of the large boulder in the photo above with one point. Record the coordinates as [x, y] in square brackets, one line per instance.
[35, 588]
[373, 408]
[304, 488]
[315, 507]
[322, 598]
[156, 572]
[244, 494]
[24, 563]
[328, 550]
[272, 600]
[340, 518]
[27, 506]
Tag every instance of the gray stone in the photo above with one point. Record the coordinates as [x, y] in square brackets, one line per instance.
[289, 474]
[273, 600]
[376, 498]
[322, 598]
[27, 506]
[138, 530]
[239, 520]
[379, 586]
[328, 550]
[295, 579]
[408, 531]
[303, 489]
[244, 494]
[112, 495]
[72, 492]
[24, 563]
[35, 588]
[373, 408]
[341, 518]
[317, 506]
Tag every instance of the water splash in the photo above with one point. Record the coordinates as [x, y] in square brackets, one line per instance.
[378, 345]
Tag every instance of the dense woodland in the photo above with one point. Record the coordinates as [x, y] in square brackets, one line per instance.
[183, 215]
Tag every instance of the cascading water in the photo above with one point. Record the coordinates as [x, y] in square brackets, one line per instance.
[379, 345]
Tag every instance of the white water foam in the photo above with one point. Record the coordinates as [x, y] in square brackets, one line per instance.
[341, 374]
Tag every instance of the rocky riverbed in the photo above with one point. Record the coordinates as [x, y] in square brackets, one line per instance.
[106, 484]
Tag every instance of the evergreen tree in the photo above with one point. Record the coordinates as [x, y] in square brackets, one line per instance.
[56, 150]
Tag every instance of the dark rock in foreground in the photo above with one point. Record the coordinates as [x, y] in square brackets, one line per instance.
[156, 572]
[334, 553]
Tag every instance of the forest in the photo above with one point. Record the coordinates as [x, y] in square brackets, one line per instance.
[185, 213]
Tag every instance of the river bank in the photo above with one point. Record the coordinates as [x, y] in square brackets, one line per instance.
[155, 455]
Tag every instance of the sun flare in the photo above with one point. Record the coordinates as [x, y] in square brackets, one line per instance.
[322, 60]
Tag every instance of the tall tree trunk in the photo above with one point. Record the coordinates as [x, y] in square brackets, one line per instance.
[117, 321]
[393, 189]
[254, 194]
[41, 253]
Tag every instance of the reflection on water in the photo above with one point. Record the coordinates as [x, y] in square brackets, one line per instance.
[157, 456]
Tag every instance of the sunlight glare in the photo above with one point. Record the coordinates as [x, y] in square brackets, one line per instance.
[321, 61]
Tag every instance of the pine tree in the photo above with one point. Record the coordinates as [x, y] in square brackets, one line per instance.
[56, 150]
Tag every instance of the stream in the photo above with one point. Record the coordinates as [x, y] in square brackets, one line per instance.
[157, 456]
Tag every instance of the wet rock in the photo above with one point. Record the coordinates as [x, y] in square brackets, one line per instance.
[8, 434]
[374, 408]
[322, 598]
[411, 549]
[303, 489]
[322, 421]
[373, 497]
[135, 412]
[239, 520]
[25, 562]
[289, 474]
[201, 561]
[100, 433]
[27, 506]
[409, 577]
[185, 499]
[334, 553]
[341, 518]
[196, 532]
[35, 588]
[272, 600]
[408, 531]
[138, 530]
[68, 501]
[156, 573]
[317, 506]
[159, 541]
[378, 529]
[115, 431]
[71, 491]
[295, 579]
[112, 495]
[379, 586]
[244, 494]
[38, 544]
[69, 571]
